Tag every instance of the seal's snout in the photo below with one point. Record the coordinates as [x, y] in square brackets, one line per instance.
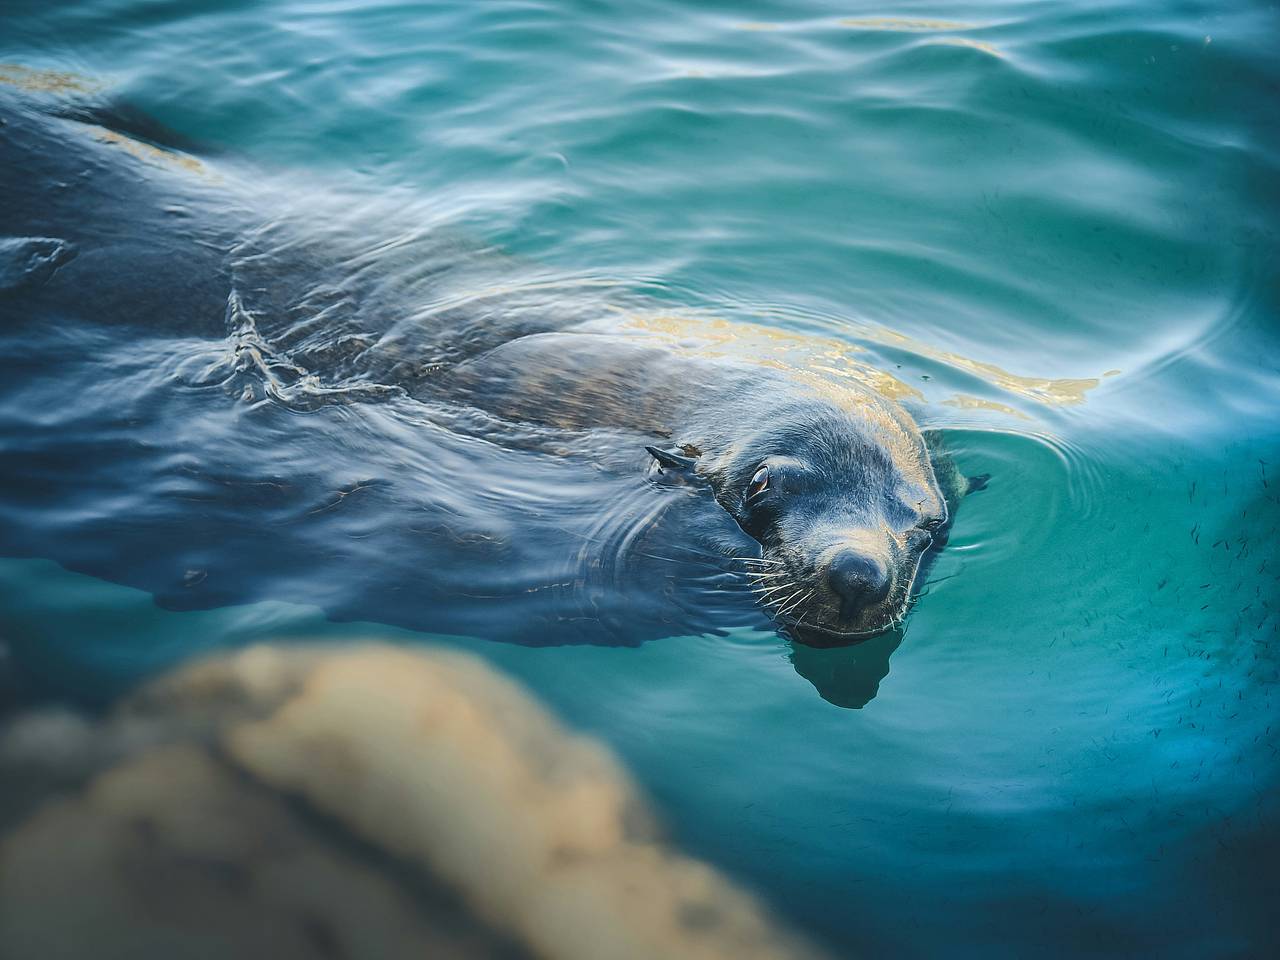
[858, 580]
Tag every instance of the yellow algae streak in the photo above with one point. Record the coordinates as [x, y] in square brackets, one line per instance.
[835, 360]
[967, 42]
[913, 25]
[824, 358]
[59, 82]
[965, 401]
[890, 24]
[1063, 392]
[44, 81]
[904, 24]
[146, 152]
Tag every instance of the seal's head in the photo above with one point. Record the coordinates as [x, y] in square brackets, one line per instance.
[844, 503]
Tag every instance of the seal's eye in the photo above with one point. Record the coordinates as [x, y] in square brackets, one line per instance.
[759, 483]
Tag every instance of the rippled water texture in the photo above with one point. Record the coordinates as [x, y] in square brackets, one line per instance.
[1047, 228]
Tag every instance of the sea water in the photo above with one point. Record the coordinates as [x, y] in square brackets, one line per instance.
[1054, 222]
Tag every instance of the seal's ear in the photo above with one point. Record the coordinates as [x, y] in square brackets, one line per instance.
[954, 484]
[669, 460]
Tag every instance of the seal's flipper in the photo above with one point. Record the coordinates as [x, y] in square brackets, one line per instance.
[977, 483]
[669, 460]
[955, 485]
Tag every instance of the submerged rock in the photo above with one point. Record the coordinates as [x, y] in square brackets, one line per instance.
[363, 801]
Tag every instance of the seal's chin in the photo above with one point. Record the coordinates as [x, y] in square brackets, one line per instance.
[820, 638]
[819, 609]
[818, 631]
[830, 620]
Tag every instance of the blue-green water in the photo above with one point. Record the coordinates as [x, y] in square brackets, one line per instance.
[1071, 747]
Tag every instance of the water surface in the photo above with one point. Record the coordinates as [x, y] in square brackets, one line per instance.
[1053, 224]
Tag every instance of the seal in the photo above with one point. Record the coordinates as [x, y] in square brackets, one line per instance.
[836, 493]
[834, 481]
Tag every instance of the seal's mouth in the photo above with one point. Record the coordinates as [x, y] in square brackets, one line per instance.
[806, 608]
[830, 630]
[798, 605]
[821, 637]
[839, 632]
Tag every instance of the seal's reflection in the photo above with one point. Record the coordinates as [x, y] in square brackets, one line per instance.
[848, 676]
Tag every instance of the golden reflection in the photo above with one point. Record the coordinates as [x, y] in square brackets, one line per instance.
[43, 81]
[146, 152]
[836, 360]
[1059, 392]
[60, 82]
[904, 23]
[899, 24]
[966, 401]
[967, 42]
[817, 357]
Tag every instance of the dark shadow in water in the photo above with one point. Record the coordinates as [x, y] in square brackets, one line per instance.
[848, 676]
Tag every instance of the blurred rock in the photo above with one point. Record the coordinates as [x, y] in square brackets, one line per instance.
[330, 802]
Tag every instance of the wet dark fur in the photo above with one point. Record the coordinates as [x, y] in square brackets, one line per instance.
[141, 238]
[852, 471]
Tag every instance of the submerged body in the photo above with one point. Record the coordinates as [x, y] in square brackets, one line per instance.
[833, 480]
[828, 477]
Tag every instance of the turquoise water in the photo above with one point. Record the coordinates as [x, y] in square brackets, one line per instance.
[1055, 221]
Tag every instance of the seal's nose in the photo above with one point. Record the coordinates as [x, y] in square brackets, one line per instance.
[858, 580]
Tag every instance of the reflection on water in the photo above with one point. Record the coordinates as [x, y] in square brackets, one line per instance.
[849, 675]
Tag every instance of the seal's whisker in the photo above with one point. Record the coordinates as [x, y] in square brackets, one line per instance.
[764, 594]
[800, 620]
[782, 603]
[771, 602]
[769, 588]
[796, 604]
[930, 583]
[785, 609]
